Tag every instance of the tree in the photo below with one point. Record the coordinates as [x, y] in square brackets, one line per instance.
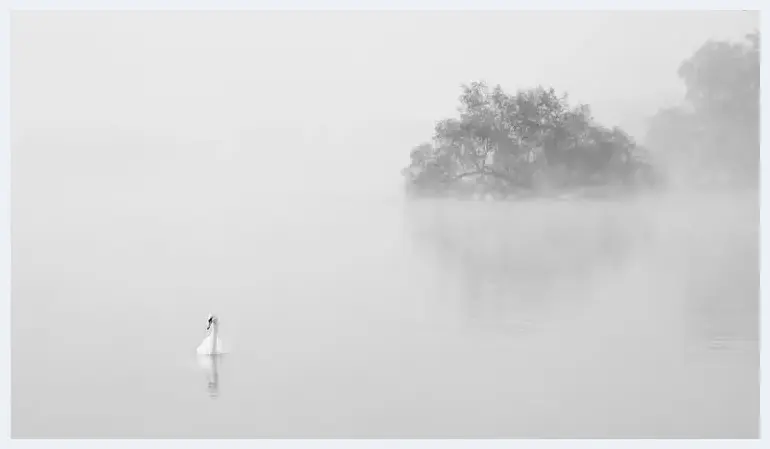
[505, 141]
[722, 79]
[714, 135]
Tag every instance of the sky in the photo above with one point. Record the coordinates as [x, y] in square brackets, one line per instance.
[339, 98]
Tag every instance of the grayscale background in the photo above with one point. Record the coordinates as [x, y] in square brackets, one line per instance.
[169, 165]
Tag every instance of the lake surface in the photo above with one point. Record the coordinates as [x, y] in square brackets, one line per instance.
[356, 317]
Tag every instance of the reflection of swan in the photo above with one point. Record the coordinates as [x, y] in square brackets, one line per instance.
[212, 344]
[210, 363]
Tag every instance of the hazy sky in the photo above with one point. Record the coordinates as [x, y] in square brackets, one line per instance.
[320, 88]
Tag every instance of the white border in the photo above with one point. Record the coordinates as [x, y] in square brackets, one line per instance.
[409, 5]
[212, 5]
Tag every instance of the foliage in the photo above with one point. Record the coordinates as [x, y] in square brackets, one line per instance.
[529, 139]
[714, 135]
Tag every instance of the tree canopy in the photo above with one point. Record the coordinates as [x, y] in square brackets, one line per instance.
[713, 136]
[534, 138]
[526, 140]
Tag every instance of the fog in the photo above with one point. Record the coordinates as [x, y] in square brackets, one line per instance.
[349, 92]
[165, 166]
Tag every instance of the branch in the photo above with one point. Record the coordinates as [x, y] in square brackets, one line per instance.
[483, 171]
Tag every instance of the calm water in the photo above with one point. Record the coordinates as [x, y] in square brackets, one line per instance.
[374, 318]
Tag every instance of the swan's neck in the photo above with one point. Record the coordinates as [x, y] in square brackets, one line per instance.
[214, 334]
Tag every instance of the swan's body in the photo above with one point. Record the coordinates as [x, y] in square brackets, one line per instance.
[212, 344]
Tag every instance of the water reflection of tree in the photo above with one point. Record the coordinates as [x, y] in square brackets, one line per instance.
[512, 271]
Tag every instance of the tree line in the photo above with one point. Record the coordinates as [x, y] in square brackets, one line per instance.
[534, 139]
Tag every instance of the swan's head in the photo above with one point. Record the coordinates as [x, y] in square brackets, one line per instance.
[212, 320]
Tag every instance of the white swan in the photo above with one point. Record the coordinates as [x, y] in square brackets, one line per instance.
[211, 344]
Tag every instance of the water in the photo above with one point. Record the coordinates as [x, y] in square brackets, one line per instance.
[353, 317]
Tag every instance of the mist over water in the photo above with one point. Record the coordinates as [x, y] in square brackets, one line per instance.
[167, 166]
[358, 317]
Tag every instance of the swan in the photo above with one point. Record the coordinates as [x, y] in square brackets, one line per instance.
[211, 344]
